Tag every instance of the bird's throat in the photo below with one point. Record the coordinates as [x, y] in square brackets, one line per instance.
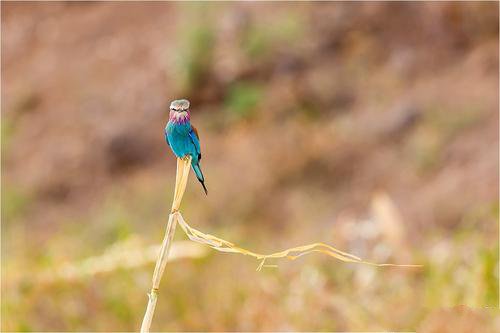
[179, 117]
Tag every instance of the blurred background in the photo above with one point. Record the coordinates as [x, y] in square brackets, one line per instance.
[372, 127]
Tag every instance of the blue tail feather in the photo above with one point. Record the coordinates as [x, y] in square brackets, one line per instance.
[199, 175]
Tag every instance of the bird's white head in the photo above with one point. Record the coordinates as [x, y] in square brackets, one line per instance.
[179, 105]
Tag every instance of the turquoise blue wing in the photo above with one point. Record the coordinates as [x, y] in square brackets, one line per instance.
[195, 139]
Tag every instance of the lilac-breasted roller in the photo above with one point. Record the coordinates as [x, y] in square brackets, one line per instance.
[183, 138]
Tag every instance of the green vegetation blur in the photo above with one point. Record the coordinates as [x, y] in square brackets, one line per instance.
[372, 127]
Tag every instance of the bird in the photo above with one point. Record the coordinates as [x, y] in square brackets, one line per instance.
[182, 137]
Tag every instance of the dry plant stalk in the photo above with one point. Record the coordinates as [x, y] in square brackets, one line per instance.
[183, 166]
[291, 253]
[181, 178]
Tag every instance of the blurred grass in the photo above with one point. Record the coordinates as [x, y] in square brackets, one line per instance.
[451, 276]
[259, 40]
[7, 133]
[14, 203]
[243, 99]
[454, 281]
